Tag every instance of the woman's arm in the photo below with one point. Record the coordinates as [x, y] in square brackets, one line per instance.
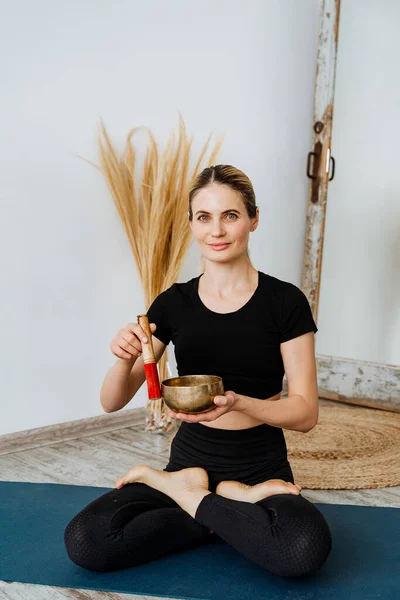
[293, 412]
[124, 379]
[299, 411]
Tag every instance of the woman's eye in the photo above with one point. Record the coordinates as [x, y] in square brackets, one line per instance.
[228, 215]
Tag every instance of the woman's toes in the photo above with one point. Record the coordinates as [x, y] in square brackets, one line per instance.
[292, 487]
[295, 486]
[280, 486]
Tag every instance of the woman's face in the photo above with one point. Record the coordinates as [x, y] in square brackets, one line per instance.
[220, 216]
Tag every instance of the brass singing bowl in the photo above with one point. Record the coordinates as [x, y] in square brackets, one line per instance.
[192, 393]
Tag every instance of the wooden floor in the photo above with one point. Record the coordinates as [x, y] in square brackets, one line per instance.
[99, 460]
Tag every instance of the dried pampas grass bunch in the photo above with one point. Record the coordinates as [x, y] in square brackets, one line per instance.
[154, 211]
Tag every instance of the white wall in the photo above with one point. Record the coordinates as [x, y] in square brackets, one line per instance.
[69, 281]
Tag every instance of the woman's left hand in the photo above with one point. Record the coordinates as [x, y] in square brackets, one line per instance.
[223, 404]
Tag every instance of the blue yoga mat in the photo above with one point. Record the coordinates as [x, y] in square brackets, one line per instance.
[363, 564]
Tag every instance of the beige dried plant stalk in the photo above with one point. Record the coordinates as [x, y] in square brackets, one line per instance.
[153, 208]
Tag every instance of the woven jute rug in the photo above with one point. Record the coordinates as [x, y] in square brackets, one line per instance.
[349, 448]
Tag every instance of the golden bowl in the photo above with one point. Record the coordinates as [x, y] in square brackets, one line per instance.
[192, 393]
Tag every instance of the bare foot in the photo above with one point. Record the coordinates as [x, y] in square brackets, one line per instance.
[254, 493]
[170, 483]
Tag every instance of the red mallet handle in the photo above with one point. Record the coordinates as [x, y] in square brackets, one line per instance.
[150, 364]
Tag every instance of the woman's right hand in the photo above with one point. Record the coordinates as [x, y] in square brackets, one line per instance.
[127, 344]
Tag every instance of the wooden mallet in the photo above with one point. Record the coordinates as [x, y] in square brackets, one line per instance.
[150, 364]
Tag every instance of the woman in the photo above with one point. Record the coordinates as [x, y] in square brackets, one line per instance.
[228, 475]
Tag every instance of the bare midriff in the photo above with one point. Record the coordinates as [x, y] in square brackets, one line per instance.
[236, 420]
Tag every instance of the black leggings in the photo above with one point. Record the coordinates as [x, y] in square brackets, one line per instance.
[284, 533]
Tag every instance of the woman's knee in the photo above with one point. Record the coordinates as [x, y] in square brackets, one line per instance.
[310, 548]
[84, 546]
[301, 553]
[303, 537]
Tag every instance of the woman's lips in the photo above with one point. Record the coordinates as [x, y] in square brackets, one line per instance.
[219, 246]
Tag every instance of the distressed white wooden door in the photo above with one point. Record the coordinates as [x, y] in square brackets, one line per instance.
[351, 270]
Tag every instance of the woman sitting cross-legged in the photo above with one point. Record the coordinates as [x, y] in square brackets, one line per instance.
[228, 476]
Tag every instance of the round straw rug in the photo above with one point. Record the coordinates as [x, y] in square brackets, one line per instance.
[349, 448]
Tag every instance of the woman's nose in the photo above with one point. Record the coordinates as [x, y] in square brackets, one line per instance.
[218, 229]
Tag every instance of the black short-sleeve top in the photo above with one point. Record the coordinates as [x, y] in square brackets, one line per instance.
[242, 347]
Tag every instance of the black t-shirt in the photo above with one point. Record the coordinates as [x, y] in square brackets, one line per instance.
[242, 347]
